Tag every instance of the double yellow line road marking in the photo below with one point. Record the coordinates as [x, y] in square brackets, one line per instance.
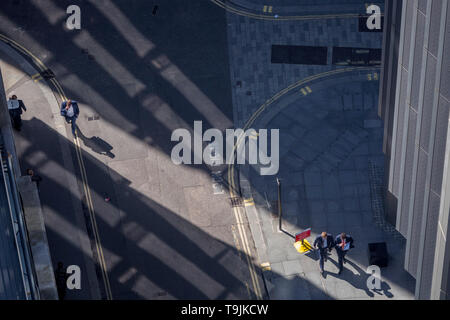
[249, 14]
[36, 77]
[87, 192]
[267, 9]
[90, 206]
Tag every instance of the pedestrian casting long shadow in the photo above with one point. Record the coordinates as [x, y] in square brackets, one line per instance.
[359, 281]
[96, 144]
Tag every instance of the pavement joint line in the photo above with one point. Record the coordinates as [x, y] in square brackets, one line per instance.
[78, 149]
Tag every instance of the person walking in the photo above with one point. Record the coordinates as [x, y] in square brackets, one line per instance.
[34, 177]
[70, 111]
[15, 108]
[343, 244]
[323, 243]
[61, 280]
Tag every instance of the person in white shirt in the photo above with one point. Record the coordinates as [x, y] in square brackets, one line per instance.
[70, 111]
[343, 244]
[15, 108]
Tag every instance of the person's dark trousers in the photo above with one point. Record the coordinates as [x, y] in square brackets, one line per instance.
[61, 283]
[16, 119]
[322, 257]
[61, 292]
[341, 258]
[73, 121]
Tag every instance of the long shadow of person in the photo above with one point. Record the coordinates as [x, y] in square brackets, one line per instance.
[359, 281]
[384, 286]
[313, 254]
[96, 144]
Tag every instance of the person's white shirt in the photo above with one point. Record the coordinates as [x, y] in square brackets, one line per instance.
[325, 244]
[70, 112]
[13, 104]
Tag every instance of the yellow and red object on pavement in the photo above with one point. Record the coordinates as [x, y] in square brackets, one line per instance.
[301, 244]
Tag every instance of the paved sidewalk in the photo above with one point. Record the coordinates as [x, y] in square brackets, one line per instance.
[168, 231]
[255, 79]
[50, 156]
[330, 157]
[330, 138]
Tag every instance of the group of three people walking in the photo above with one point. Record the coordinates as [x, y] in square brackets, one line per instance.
[325, 243]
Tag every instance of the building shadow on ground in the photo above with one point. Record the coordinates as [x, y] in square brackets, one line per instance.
[151, 251]
[359, 280]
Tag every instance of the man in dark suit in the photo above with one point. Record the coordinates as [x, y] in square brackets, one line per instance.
[15, 108]
[343, 244]
[324, 243]
[70, 111]
[61, 280]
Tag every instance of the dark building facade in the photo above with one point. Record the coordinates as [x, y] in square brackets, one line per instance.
[414, 103]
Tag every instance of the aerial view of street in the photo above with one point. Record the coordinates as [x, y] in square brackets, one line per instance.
[224, 150]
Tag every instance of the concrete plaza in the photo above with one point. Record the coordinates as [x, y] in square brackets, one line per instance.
[331, 162]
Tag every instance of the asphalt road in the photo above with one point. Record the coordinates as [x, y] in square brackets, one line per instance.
[138, 72]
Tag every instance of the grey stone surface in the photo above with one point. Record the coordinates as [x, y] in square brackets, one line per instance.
[328, 131]
[292, 267]
[284, 288]
[38, 238]
[159, 230]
